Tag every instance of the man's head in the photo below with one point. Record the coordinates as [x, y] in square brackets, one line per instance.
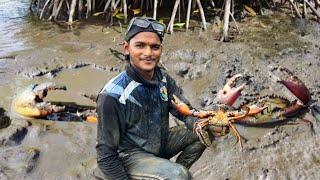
[143, 43]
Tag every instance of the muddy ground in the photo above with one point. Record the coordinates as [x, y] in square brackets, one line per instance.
[82, 59]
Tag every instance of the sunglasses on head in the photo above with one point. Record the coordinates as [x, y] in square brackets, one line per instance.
[145, 23]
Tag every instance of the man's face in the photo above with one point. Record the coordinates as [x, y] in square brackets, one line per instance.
[145, 50]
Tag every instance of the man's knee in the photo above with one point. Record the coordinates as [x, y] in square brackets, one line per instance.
[181, 173]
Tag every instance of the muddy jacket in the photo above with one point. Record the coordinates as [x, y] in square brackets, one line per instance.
[134, 116]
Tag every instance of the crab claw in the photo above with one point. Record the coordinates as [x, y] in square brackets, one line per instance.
[42, 89]
[30, 102]
[185, 110]
[228, 95]
[254, 110]
[298, 88]
[181, 106]
[295, 85]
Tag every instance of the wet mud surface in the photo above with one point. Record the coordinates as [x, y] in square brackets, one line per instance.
[82, 60]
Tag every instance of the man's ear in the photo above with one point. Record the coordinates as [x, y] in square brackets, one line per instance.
[126, 48]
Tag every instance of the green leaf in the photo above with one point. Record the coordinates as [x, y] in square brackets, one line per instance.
[251, 12]
[161, 21]
[136, 11]
[97, 13]
[178, 25]
[119, 16]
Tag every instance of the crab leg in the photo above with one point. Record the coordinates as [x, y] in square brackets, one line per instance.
[203, 135]
[228, 95]
[46, 108]
[237, 133]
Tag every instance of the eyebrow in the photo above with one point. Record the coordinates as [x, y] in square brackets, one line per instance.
[141, 42]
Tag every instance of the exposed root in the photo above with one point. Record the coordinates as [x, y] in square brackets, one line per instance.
[226, 20]
[123, 10]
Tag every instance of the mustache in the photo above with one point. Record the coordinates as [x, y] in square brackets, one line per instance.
[147, 59]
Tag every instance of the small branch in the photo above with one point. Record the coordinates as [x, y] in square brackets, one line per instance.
[235, 22]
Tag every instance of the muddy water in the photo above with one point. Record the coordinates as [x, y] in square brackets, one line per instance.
[274, 40]
[13, 16]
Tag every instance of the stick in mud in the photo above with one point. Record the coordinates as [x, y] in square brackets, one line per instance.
[44, 7]
[202, 15]
[226, 20]
[72, 10]
[155, 9]
[188, 14]
[54, 9]
[58, 10]
[125, 11]
[174, 12]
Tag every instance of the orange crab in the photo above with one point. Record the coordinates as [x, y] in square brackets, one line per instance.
[222, 116]
[256, 111]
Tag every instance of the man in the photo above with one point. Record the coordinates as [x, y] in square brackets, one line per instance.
[134, 138]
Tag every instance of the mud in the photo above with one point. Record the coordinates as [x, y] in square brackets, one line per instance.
[82, 60]
[5, 121]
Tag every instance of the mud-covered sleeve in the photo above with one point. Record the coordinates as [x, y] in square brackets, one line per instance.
[108, 136]
[174, 89]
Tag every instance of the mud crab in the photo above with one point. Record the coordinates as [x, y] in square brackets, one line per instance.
[224, 115]
[256, 111]
[30, 102]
